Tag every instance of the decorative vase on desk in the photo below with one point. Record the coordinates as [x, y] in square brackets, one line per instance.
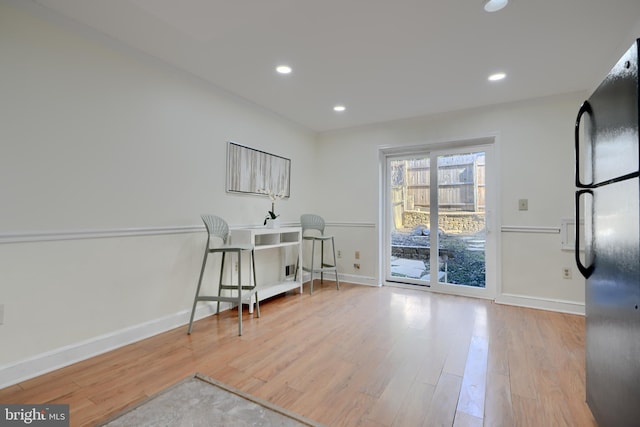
[273, 223]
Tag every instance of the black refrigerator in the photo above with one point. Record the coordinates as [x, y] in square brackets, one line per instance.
[607, 198]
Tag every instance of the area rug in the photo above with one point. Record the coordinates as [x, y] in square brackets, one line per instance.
[203, 401]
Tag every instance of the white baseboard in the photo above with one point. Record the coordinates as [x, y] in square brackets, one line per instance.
[562, 306]
[358, 280]
[70, 354]
[348, 278]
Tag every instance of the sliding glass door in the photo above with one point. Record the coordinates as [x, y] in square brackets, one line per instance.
[437, 222]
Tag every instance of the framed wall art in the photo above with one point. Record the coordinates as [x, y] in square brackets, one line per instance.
[252, 171]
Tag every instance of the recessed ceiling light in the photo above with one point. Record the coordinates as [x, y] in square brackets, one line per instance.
[497, 76]
[339, 108]
[494, 5]
[283, 69]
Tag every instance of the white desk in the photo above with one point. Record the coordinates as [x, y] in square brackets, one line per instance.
[277, 250]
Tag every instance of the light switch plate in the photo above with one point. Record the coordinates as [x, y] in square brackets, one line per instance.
[523, 204]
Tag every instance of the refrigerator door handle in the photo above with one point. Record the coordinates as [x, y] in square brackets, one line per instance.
[584, 108]
[586, 271]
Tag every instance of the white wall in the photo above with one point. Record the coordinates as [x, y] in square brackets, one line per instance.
[535, 143]
[95, 138]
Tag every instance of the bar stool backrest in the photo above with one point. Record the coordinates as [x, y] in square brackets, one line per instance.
[312, 222]
[217, 227]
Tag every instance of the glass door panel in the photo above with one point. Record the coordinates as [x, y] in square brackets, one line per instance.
[461, 217]
[409, 196]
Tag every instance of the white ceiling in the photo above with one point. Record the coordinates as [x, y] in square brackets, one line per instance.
[383, 59]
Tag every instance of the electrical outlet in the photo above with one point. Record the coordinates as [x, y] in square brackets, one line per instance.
[1, 314]
[566, 273]
[289, 270]
[357, 254]
[235, 267]
[523, 204]
[339, 254]
[356, 266]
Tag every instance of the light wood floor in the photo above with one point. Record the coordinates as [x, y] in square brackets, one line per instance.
[361, 356]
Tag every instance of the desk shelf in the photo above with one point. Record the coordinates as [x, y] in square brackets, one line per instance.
[277, 250]
[276, 245]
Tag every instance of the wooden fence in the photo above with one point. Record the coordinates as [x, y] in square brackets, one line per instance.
[461, 184]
